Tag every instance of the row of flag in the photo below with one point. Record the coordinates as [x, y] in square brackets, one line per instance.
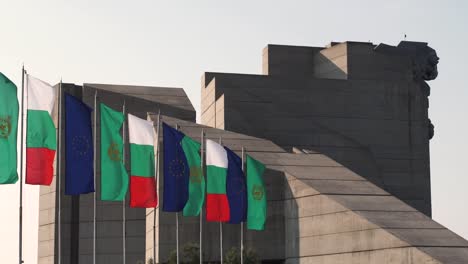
[229, 195]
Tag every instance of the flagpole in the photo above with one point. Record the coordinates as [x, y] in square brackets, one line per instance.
[95, 176]
[221, 226]
[157, 182]
[20, 255]
[59, 172]
[202, 141]
[177, 223]
[242, 223]
[124, 217]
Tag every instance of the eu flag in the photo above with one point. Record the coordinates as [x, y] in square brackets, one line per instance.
[79, 173]
[236, 189]
[176, 171]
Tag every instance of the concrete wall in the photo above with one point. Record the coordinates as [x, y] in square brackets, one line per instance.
[379, 128]
[339, 217]
[319, 211]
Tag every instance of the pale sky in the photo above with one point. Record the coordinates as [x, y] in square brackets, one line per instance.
[171, 43]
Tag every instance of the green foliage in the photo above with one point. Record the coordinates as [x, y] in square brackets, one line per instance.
[172, 257]
[190, 254]
[151, 261]
[233, 256]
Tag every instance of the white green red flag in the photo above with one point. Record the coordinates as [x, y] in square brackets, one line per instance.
[217, 205]
[41, 138]
[142, 181]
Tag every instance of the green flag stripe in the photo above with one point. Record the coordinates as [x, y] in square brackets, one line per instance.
[257, 202]
[191, 150]
[216, 178]
[114, 177]
[142, 160]
[41, 130]
[196, 181]
[9, 109]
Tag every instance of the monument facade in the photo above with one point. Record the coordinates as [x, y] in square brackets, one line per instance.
[344, 132]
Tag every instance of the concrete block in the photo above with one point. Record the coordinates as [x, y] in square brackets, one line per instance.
[371, 203]
[403, 220]
[348, 242]
[333, 223]
[446, 255]
[389, 256]
[311, 206]
[430, 237]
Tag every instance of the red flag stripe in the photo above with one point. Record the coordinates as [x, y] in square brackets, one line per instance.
[143, 192]
[217, 208]
[39, 166]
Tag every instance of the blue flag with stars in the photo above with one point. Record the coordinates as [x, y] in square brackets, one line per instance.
[236, 189]
[79, 151]
[176, 171]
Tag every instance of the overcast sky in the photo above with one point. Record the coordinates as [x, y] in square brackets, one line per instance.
[171, 43]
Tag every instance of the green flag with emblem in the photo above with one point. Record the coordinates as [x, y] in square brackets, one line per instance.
[114, 177]
[9, 108]
[196, 180]
[256, 195]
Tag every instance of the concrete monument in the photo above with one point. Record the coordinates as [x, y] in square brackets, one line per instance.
[344, 132]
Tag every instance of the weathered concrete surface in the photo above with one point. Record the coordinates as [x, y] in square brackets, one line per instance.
[365, 106]
[359, 192]
[356, 188]
[320, 212]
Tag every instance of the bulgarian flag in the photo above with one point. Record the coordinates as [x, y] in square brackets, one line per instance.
[217, 205]
[41, 138]
[142, 181]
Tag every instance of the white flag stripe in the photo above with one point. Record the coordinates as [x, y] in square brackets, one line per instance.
[41, 95]
[216, 155]
[140, 131]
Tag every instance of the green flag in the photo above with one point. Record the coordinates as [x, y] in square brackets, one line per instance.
[114, 177]
[257, 202]
[9, 108]
[196, 179]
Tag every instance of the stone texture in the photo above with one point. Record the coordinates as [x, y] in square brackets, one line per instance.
[343, 131]
[324, 214]
[360, 105]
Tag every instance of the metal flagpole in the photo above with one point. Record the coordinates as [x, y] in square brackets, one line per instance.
[59, 175]
[157, 182]
[124, 217]
[242, 223]
[177, 236]
[177, 224]
[202, 141]
[95, 176]
[221, 226]
[21, 172]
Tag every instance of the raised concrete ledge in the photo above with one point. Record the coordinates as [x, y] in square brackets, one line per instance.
[175, 97]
